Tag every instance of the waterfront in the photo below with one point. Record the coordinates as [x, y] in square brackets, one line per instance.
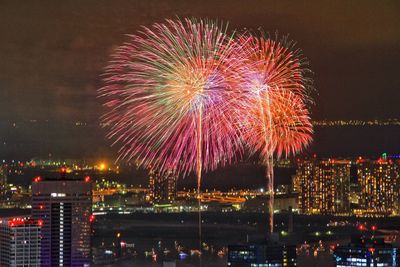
[161, 232]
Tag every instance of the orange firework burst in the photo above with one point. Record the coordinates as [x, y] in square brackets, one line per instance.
[278, 120]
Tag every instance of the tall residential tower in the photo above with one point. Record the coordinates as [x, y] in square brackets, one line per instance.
[323, 186]
[379, 183]
[65, 206]
[162, 187]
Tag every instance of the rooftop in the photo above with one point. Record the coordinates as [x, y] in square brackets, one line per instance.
[20, 221]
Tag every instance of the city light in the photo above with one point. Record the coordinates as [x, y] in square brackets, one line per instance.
[361, 227]
[102, 166]
[134, 133]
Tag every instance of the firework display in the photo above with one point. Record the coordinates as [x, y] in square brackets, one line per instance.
[170, 91]
[276, 90]
[278, 121]
[185, 97]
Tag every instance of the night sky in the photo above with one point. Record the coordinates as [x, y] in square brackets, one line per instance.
[53, 52]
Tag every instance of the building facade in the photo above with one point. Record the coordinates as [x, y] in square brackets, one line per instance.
[20, 242]
[367, 252]
[65, 207]
[323, 186]
[379, 186]
[162, 187]
[261, 255]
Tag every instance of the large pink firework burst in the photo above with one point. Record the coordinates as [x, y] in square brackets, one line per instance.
[169, 93]
[183, 97]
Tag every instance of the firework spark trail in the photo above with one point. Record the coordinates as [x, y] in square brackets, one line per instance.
[277, 95]
[182, 97]
[156, 86]
[171, 98]
[199, 169]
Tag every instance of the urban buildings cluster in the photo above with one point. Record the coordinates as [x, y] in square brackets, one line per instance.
[360, 187]
[344, 187]
[58, 232]
[12, 196]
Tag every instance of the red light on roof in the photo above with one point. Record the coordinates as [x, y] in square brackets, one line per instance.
[92, 218]
[37, 179]
[361, 227]
[14, 222]
[374, 228]
[87, 179]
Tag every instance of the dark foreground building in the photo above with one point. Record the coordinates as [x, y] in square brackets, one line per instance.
[368, 252]
[64, 206]
[261, 255]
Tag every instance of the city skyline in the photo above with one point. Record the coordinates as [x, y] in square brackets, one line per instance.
[367, 204]
[199, 133]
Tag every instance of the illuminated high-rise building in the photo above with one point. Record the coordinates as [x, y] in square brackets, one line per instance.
[162, 187]
[65, 207]
[20, 242]
[379, 185]
[323, 186]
